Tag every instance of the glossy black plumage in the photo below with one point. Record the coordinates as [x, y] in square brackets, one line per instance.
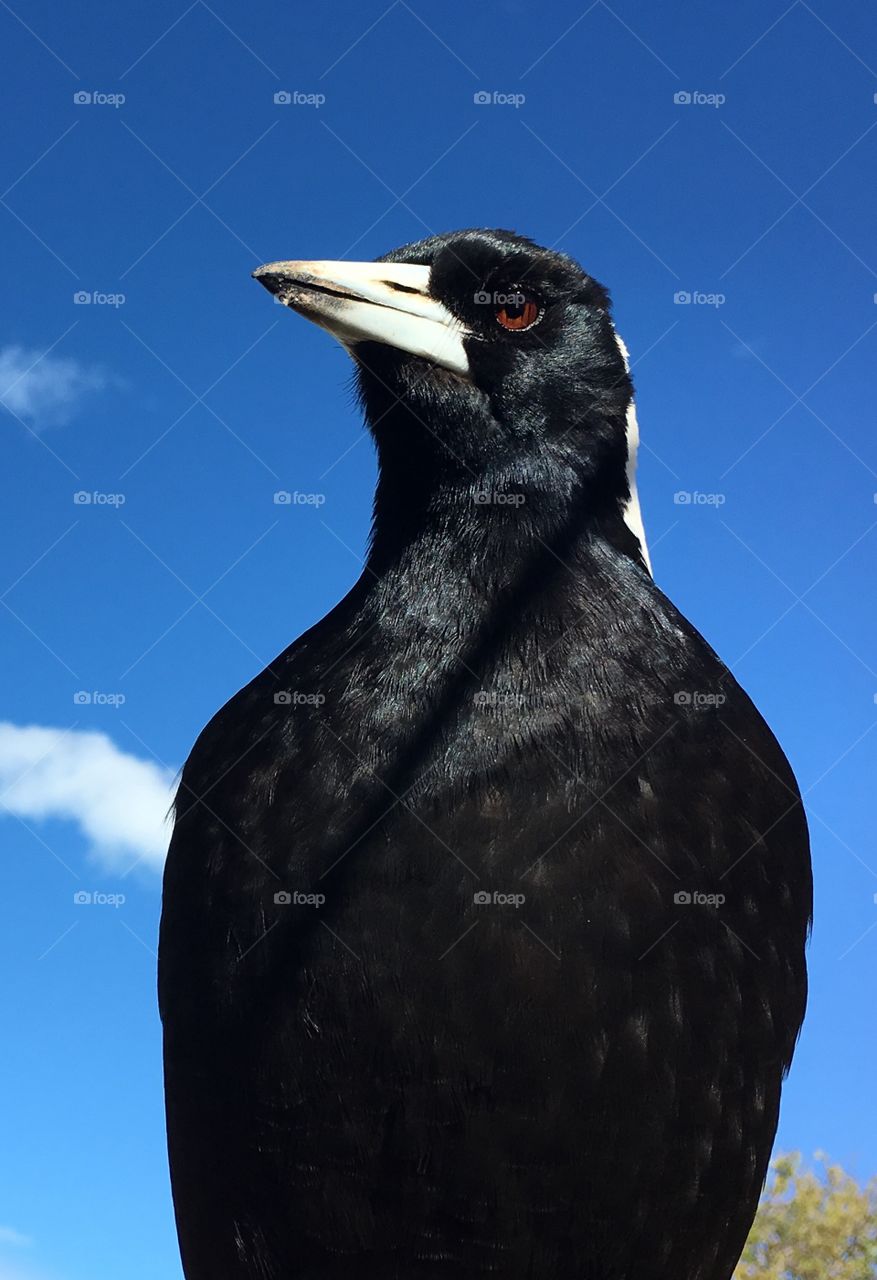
[405, 1083]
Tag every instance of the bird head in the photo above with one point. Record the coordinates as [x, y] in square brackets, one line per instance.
[484, 358]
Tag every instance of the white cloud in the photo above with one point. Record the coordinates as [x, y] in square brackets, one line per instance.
[16, 1271]
[8, 1235]
[44, 390]
[118, 801]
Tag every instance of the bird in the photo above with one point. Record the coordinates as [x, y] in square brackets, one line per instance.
[482, 950]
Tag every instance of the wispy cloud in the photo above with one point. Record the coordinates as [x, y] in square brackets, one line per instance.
[19, 1271]
[118, 801]
[8, 1235]
[43, 389]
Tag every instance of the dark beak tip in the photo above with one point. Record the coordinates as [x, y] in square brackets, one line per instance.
[269, 280]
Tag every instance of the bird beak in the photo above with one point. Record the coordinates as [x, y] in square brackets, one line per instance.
[385, 302]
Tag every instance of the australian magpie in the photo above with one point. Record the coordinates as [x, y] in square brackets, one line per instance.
[482, 946]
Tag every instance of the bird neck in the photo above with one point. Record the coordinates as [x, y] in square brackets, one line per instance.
[488, 580]
[482, 515]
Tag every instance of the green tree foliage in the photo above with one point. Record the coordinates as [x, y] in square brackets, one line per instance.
[812, 1225]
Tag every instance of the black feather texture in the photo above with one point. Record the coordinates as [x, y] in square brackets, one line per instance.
[579, 1076]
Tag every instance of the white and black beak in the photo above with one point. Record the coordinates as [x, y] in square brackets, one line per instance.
[386, 302]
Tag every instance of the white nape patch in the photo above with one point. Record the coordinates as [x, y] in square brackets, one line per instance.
[631, 513]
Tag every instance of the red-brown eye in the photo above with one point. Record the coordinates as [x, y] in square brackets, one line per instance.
[518, 311]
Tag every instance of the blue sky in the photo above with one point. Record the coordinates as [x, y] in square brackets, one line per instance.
[179, 399]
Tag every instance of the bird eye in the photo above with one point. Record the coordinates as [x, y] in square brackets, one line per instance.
[517, 311]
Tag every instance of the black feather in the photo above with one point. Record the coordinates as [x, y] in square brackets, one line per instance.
[404, 1082]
